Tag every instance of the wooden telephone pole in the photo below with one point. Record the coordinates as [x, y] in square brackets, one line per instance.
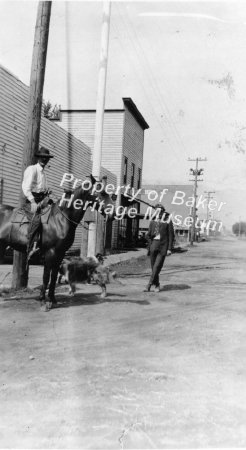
[209, 197]
[33, 118]
[196, 173]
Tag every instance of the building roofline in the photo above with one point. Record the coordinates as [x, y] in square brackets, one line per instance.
[128, 103]
[5, 69]
[90, 110]
[135, 112]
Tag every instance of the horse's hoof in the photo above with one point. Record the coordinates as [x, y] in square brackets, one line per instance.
[103, 295]
[49, 305]
[71, 294]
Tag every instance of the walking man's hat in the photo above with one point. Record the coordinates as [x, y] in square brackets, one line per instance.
[43, 152]
[160, 206]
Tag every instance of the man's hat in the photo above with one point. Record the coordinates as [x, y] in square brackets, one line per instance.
[160, 206]
[43, 152]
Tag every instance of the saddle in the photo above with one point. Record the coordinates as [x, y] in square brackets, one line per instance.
[22, 217]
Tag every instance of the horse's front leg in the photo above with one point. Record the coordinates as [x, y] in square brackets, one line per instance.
[52, 286]
[46, 279]
[48, 268]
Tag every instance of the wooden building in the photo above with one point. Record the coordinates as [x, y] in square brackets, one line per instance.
[122, 154]
[71, 154]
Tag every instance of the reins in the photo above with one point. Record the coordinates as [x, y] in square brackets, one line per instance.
[64, 215]
[68, 219]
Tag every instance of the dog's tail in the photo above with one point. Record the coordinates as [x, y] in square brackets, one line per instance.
[113, 277]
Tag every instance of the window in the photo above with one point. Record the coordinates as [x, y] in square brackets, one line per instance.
[132, 174]
[139, 178]
[125, 170]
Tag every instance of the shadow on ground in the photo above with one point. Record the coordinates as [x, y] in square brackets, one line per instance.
[94, 299]
[175, 287]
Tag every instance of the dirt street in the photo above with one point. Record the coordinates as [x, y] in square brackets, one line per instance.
[134, 370]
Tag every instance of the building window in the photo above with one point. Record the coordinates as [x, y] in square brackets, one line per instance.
[132, 174]
[139, 178]
[125, 170]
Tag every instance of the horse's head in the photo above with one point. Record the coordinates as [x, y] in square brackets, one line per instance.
[89, 193]
[105, 201]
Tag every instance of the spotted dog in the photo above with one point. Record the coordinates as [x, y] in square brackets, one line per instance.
[86, 270]
[92, 262]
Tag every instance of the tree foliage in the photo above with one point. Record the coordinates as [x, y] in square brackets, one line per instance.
[50, 111]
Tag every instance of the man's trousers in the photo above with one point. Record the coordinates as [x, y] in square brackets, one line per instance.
[157, 261]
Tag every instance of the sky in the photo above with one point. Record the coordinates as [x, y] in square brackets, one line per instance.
[182, 63]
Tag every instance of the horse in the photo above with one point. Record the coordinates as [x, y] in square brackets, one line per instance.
[57, 234]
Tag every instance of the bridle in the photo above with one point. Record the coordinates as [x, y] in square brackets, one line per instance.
[67, 218]
[70, 220]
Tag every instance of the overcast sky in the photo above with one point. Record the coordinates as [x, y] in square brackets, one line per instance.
[182, 63]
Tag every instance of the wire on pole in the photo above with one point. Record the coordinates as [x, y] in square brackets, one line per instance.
[196, 173]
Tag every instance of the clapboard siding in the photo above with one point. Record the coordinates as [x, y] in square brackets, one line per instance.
[82, 125]
[133, 146]
[71, 154]
[123, 136]
[12, 124]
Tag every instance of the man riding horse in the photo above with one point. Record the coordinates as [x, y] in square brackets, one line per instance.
[58, 232]
[36, 192]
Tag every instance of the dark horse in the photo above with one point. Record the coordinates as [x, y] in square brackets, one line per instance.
[57, 234]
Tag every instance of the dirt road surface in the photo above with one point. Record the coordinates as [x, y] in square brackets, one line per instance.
[134, 370]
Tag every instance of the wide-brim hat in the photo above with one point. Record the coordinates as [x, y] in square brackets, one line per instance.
[43, 152]
[160, 206]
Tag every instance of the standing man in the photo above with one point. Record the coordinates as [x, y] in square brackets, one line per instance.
[160, 240]
[35, 189]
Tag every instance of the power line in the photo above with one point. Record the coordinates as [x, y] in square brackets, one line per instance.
[143, 63]
[147, 95]
[145, 91]
[159, 93]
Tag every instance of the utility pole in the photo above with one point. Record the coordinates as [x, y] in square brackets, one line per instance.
[209, 197]
[196, 173]
[98, 139]
[33, 118]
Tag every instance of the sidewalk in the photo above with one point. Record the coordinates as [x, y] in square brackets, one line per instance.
[36, 272]
[118, 257]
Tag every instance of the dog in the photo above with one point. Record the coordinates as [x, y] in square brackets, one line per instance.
[92, 262]
[87, 269]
